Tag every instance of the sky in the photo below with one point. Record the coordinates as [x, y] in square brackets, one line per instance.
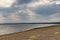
[29, 11]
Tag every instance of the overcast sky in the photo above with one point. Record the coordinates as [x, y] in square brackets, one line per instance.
[20, 11]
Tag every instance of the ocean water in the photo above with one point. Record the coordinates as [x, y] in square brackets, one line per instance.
[8, 29]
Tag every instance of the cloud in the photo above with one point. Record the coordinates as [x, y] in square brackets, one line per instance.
[47, 10]
[24, 1]
[6, 3]
[31, 11]
[39, 2]
[2, 19]
[55, 17]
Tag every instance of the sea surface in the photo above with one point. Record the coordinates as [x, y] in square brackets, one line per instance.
[8, 29]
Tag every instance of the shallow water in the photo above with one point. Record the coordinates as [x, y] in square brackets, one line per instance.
[7, 29]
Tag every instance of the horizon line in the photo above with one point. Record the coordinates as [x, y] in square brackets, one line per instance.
[30, 23]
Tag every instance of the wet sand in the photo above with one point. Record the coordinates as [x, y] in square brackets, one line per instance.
[46, 33]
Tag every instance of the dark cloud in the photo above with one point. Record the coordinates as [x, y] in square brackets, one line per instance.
[8, 10]
[24, 1]
[47, 10]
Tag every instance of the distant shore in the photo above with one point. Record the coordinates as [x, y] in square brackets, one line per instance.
[30, 23]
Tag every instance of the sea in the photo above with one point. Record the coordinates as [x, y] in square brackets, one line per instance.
[8, 29]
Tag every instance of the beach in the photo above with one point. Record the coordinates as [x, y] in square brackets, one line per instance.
[45, 33]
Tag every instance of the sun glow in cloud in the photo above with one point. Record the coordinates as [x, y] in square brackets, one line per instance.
[6, 3]
[58, 2]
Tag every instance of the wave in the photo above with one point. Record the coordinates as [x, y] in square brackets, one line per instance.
[7, 29]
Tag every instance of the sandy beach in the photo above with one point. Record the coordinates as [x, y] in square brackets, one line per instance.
[46, 33]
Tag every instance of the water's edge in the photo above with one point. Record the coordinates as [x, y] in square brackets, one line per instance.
[8, 29]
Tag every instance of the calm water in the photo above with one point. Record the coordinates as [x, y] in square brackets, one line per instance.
[7, 29]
